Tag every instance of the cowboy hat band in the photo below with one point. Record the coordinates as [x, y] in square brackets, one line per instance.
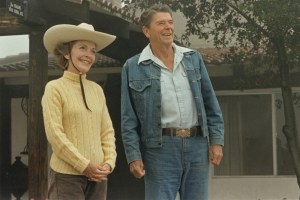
[64, 33]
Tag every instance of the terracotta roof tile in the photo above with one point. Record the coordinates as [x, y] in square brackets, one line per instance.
[109, 7]
[21, 62]
[214, 55]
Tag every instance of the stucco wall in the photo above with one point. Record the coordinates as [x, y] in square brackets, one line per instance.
[254, 188]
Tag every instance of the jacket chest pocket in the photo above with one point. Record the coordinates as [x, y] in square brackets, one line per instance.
[139, 86]
[140, 93]
[194, 74]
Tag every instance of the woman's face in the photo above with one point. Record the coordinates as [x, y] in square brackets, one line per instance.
[83, 56]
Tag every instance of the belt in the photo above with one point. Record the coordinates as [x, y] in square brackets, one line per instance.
[180, 132]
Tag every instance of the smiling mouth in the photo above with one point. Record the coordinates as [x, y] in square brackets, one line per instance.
[167, 34]
[86, 62]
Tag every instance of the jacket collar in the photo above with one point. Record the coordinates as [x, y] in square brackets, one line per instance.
[147, 54]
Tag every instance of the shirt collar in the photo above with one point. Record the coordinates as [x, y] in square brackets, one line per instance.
[148, 55]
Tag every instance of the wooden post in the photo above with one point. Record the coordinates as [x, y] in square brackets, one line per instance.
[37, 142]
[5, 138]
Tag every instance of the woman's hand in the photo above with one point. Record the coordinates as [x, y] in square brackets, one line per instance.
[96, 172]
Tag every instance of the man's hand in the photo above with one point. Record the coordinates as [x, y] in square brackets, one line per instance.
[96, 172]
[215, 154]
[137, 168]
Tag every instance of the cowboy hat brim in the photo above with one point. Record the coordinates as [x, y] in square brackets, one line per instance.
[64, 33]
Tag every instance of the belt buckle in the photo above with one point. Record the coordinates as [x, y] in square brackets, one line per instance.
[183, 132]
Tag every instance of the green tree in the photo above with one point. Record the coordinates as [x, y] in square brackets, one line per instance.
[264, 41]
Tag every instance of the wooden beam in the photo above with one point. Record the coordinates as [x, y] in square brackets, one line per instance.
[2, 3]
[122, 49]
[12, 25]
[5, 138]
[103, 22]
[75, 1]
[74, 11]
[37, 142]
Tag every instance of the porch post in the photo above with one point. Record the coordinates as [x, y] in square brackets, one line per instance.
[37, 142]
[5, 138]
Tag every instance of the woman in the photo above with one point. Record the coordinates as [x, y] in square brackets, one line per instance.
[77, 122]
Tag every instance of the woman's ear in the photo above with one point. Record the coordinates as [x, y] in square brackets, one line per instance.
[67, 56]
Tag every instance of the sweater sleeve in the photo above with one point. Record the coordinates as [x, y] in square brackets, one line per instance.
[53, 116]
[107, 135]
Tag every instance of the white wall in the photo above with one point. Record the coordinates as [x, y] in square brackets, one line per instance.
[18, 135]
[255, 188]
[19, 131]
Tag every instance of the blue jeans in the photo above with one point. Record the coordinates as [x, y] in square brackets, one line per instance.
[181, 165]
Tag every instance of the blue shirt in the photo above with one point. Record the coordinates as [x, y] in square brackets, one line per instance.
[178, 107]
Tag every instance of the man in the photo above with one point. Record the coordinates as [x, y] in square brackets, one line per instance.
[171, 120]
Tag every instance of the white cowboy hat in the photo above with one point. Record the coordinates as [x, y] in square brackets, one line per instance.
[64, 33]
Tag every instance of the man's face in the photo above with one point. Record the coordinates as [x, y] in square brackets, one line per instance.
[160, 30]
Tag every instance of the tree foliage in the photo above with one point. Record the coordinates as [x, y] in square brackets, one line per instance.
[247, 27]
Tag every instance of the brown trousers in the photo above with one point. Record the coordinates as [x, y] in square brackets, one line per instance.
[75, 187]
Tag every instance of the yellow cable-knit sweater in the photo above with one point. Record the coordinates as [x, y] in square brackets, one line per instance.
[77, 136]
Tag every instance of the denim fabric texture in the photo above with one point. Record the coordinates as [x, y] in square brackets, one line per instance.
[141, 103]
[172, 164]
[178, 108]
[182, 165]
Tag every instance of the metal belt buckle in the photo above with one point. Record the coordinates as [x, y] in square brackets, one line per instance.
[183, 132]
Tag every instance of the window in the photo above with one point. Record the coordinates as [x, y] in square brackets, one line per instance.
[254, 143]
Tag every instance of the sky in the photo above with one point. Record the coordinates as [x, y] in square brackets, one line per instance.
[13, 45]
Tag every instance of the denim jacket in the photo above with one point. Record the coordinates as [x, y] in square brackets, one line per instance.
[141, 104]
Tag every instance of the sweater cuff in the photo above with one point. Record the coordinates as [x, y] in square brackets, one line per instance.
[111, 163]
[81, 165]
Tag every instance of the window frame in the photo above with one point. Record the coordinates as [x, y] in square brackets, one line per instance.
[270, 91]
